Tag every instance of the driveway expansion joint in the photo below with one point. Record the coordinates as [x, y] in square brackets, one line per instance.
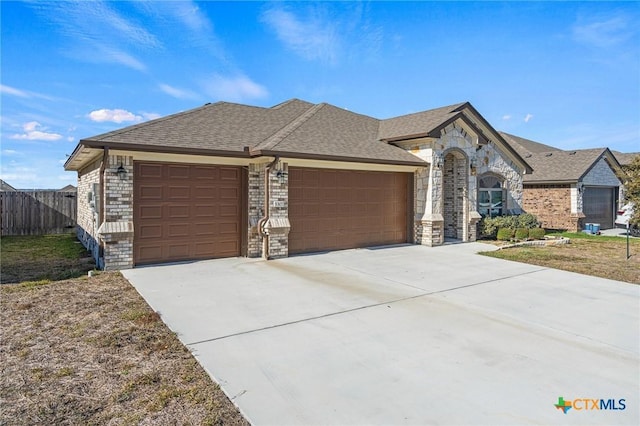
[359, 308]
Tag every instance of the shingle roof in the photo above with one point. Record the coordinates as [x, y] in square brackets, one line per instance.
[417, 124]
[295, 128]
[553, 164]
[328, 130]
[221, 126]
[625, 158]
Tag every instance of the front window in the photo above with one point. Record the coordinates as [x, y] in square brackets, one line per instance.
[490, 196]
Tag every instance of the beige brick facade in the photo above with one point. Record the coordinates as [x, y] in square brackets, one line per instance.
[551, 204]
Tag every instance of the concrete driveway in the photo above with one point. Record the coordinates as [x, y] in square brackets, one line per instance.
[405, 335]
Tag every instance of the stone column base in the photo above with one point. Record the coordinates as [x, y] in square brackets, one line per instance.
[576, 222]
[474, 218]
[432, 230]
[117, 239]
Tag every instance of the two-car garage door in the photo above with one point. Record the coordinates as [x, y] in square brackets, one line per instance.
[339, 209]
[184, 211]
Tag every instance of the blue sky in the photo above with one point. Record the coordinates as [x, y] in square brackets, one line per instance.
[562, 73]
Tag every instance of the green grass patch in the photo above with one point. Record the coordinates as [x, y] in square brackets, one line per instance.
[36, 260]
[597, 255]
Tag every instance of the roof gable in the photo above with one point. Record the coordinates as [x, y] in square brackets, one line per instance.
[555, 165]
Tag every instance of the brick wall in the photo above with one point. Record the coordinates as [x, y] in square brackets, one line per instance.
[256, 208]
[551, 204]
[279, 210]
[89, 202]
[118, 192]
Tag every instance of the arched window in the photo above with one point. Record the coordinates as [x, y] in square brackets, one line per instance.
[491, 196]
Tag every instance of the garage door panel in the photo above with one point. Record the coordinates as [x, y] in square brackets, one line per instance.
[229, 174]
[230, 210]
[204, 193]
[150, 212]
[228, 228]
[205, 211]
[149, 192]
[229, 193]
[149, 251]
[338, 209]
[178, 250]
[204, 173]
[151, 171]
[178, 172]
[180, 211]
[179, 192]
[175, 230]
[150, 231]
[184, 212]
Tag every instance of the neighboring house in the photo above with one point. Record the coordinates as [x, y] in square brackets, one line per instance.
[229, 180]
[4, 186]
[625, 158]
[68, 188]
[568, 189]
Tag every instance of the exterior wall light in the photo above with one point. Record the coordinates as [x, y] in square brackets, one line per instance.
[121, 172]
[281, 175]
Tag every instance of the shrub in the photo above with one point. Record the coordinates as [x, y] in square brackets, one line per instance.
[489, 225]
[522, 234]
[505, 234]
[536, 233]
[527, 220]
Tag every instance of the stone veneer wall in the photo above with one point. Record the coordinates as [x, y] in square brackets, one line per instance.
[490, 160]
[87, 219]
[118, 241]
[551, 204]
[420, 188]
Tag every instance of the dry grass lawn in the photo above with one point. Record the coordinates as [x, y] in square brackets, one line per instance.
[91, 351]
[599, 256]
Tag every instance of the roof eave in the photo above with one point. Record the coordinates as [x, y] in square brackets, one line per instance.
[326, 157]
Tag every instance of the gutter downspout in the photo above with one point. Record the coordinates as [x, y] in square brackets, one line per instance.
[265, 219]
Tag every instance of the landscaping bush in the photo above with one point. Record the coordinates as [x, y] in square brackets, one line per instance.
[489, 226]
[536, 233]
[527, 220]
[522, 234]
[505, 234]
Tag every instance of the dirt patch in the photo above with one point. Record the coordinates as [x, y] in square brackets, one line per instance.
[91, 351]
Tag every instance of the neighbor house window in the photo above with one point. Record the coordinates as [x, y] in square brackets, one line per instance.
[491, 196]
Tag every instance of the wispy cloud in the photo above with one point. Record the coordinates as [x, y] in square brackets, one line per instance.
[506, 117]
[34, 131]
[113, 115]
[150, 115]
[528, 118]
[326, 32]
[12, 91]
[312, 37]
[7, 90]
[98, 31]
[604, 31]
[177, 92]
[237, 88]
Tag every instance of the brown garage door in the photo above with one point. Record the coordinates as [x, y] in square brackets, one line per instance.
[184, 212]
[598, 205]
[339, 209]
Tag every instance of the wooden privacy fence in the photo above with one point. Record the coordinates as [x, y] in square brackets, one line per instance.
[37, 212]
